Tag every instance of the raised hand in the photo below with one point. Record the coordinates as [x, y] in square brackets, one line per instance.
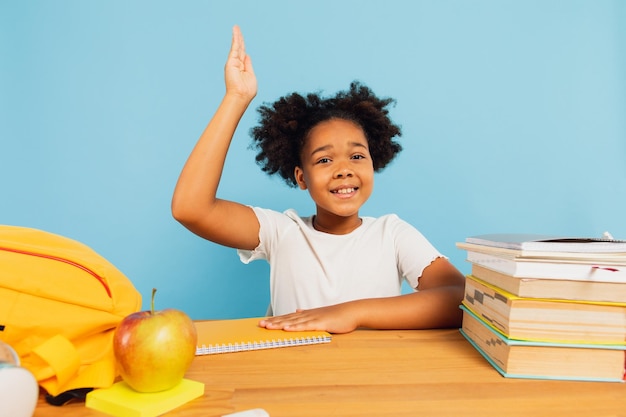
[195, 203]
[238, 71]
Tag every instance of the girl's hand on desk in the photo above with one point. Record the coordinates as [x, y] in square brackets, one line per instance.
[333, 319]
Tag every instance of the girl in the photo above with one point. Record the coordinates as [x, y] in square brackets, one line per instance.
[335, 270]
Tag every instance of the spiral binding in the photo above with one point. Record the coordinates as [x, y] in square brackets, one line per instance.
[257, 345]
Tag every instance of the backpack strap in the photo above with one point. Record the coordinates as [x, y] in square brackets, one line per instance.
[78, 394]
[57, 365]
[61, 355]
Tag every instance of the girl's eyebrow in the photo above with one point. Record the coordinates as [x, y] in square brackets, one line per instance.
[321, 149]
[330, 146]
[358, 145]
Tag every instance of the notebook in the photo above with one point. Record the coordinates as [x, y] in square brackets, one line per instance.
[121, 400]
[237, 335]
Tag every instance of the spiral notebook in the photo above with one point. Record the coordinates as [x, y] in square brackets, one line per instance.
[237, 335]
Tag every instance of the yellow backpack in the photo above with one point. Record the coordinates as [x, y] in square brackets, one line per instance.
[60, 303]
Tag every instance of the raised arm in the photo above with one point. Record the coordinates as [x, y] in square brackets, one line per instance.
[194, 203]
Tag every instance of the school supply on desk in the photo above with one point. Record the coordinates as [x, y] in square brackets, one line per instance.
[18, 387]
[548, 243]
[120, 400]
[615, 257]
[547, 309]
[562, 289]
[237, 335]
[546, 320]
[536, 360]
[596, 267]
[60, 303]
[255, 412]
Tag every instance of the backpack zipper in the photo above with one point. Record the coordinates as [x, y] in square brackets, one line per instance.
[66, 261]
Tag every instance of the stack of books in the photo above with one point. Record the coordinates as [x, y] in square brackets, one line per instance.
[545, 307]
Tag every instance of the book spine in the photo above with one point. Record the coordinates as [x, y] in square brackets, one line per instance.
[559, 321]
[549, 269]
[543, 360]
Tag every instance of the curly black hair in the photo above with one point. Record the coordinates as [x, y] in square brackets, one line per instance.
[284, 126]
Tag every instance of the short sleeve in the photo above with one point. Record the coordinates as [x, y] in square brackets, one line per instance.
[414, 252]
[270, 225]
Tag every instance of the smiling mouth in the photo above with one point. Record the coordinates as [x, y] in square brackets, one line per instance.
[345, 190]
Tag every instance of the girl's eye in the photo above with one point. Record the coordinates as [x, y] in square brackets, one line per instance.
[323, 161]
[358, 156]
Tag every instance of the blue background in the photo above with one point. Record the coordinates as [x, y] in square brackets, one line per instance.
[513, 117]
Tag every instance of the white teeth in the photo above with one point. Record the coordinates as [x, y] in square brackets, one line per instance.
[345, 191]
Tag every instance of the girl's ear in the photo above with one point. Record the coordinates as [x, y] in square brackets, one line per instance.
[298, 173]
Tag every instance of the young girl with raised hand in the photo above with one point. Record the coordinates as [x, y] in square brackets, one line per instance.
[335, 270]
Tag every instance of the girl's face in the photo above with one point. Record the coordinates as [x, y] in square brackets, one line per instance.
[338, 172]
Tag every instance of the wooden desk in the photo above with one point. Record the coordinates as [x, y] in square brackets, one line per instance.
[378, 373]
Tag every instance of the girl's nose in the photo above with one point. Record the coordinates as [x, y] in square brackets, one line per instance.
[343, 172]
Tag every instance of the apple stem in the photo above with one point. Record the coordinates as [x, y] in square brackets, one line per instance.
[152, 304]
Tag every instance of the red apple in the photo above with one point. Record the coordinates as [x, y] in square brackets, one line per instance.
[154, 349]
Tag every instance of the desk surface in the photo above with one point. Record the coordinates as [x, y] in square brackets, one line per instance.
[378, 373]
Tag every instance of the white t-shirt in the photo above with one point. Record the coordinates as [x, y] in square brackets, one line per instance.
[311, 269]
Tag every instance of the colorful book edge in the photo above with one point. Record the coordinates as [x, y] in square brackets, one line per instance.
[541, 377]
[518, 342]
[510, 296]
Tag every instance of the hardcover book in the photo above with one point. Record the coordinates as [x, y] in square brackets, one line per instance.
[548, 320]
[545, 268]
[564, 289]
[547, 243]
[536, 360]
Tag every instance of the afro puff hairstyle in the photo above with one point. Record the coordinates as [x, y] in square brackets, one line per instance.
[285, 124]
